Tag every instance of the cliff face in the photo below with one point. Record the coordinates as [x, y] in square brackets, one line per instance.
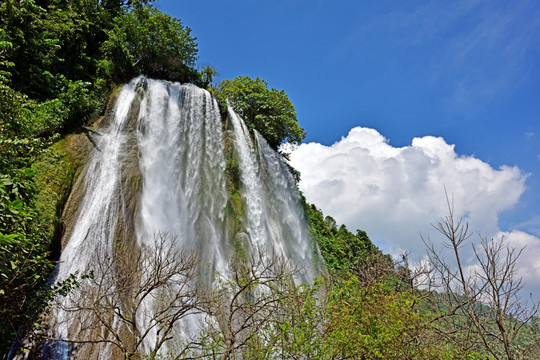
[164, 164]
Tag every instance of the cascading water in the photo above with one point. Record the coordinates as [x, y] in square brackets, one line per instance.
[160, 167]
[284, 211]
[253, 195]
[102, 204]
[182, 166]
[276, 221]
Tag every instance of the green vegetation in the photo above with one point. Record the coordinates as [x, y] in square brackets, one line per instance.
[269, 111]
[370, 309]
[146, 41]
[376, 310]
[342, 250]
[375, 321]
[59, 60]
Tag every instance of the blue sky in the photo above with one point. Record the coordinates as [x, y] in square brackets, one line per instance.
[466, 71]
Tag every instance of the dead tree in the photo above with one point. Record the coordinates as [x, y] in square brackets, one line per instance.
[248, 306]
[479, 306]
[134, 302]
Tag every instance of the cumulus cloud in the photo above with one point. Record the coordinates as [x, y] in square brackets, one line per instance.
[528, 267]
[396, 193]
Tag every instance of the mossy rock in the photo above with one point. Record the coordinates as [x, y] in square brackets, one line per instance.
[241, 246]
[55, 172]
[105, 121]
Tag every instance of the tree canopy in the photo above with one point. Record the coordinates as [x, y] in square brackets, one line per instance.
[269, 111]
[146, 41]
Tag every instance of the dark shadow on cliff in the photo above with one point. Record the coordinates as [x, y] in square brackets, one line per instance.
[89, 133]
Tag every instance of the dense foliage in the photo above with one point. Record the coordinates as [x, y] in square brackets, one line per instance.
[268, 111]
[147, 41]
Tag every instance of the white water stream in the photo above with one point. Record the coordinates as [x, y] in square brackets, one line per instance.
[182, 165]
[95, 226]
[275, 217]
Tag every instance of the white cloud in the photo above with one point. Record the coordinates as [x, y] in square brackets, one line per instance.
[528, 266]
[396, 193]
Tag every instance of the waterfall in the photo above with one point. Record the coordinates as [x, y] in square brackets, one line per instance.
[252, 194]
[182, 166]
[159, 167]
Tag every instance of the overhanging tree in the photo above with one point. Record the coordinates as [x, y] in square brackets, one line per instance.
[269, 111]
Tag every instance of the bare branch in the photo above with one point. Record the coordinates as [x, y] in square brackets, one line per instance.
[136, 299]
[487, 297]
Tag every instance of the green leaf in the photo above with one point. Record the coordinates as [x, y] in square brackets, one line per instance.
[29, 172]
[17, 204]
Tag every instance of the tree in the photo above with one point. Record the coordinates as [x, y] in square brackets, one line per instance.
[346, 253]
[118, 305]
[375, 322]
[246, 309]
[480, 308]
[5, 45]
[207, 75]
[23, 272]
[263, 314]
[146, 41]
[269, 111]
